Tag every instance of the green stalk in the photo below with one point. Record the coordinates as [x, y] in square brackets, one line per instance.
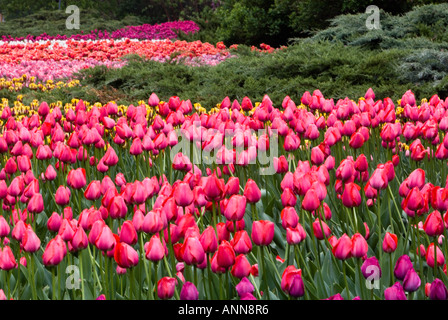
[345, 279]
[83, 296]
[265, 276]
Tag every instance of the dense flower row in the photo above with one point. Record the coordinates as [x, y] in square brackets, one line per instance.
[60, 59]
[166, 30]
[106, 188]
[45, 70]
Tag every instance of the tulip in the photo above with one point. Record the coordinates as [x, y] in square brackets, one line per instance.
[351, 196]
[252, 192]
[262, 232]
[241, 267]
[4, 227]
[183, 195]
[93, 190]
[343, 248]
[105, 240]
[311, 200]
[396, 292]
[359, 246]
[213, 188]
[193, 252]
[79, 240]
[434, 225]
[292, 282]
[235, 208]
[189, 292]
[390, 242]
[154, 250]
[402, 266]
[54, 252]
[411, 281]
[244, 287]
[62, 196]
[36, 204]
[431, 255]
[117, 207]
[166, 287]
[288, 198]
[125, 255]
[208, 240]
[325, 234]
[128, 234]
[295, 235]
[289, 217]
[7, 260]
[371, 267]
[76, 178]
[225, 255]
[438, 290]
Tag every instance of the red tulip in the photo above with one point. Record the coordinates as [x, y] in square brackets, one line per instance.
[4, 227]
[359, 246]
[105, 240]
[342, 249]
[79, 240]
[311, 200]
[154, 250]
[289, 217]
[125, 255]
[292, 282]
[36, 204]
[93, 190]
[183, 195]
[193, 252]
[390, 242]
[117, 207]
[241, 242]
[235, 208]
[225, 255]
[166, 287]
[208, 240]
[30, 241]
[54, 252]
[252, 192]
[7, 260]
[351, 196]
[434, 225]
[262, 232]
[241, 267]
[430, 256]
[213, 188]
[317, 230]
[128, 234]
[76, 178]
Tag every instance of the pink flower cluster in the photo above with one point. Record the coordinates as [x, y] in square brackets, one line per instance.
[51, 70]
[167, 30]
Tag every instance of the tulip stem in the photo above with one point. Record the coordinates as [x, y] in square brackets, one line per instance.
[8, 276]
[53, 284]
[265, 276]
[83, 296]
[59, 281]
[391, 263]
[31, 275]
[132, 282]
[379, 228]
[345, 279]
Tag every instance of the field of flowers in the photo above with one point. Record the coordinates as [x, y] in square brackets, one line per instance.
[310, 199]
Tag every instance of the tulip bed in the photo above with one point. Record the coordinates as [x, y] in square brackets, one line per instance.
[99, 202]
